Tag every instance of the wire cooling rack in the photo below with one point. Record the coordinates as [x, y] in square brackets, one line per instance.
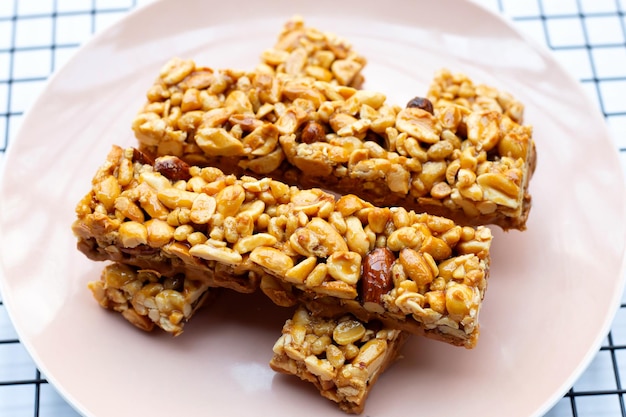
[587, 36]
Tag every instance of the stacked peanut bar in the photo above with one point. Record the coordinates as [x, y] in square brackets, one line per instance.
[415, 272]
[461, 156]
[209, 200]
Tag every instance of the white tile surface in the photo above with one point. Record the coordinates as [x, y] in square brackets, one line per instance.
[576, 62]
[53, 405]
[73, 6]
[599, 375]
[73, 29]
[33, 32]
[4, 91]
[6, 29]
[533, 29]
[24, 93]
[7, 8]
[113, 4]
[599, 6]
[613, 93]
[15, 363]
[516, 8]
[17, 401]
[565, 32]
[617, 126]
[560, 7]
[3, 141]
[34, 63]
[604, 30]
[34, 7]
[609, 62]
[598, 406]
[4, 66]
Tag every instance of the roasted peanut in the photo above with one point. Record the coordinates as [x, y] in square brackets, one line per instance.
[344, 266]
[416, 267]
[348, 331]
[271, 260]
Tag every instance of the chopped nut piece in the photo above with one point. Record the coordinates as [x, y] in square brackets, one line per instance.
[172, 168]
[377, 279]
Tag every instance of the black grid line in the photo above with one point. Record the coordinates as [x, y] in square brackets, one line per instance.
[574, 395]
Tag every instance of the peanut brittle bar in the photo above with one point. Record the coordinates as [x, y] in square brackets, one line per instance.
[470, 164]
[342, 357]
[146, 298]
[416, 272]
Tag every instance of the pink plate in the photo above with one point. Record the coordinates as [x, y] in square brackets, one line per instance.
[553, 290]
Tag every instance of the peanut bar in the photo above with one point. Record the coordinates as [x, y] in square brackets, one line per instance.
[470, 164]
[417, 272]
[146, 298]
[342, 357]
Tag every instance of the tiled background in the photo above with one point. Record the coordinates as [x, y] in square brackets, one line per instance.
[587, 36]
